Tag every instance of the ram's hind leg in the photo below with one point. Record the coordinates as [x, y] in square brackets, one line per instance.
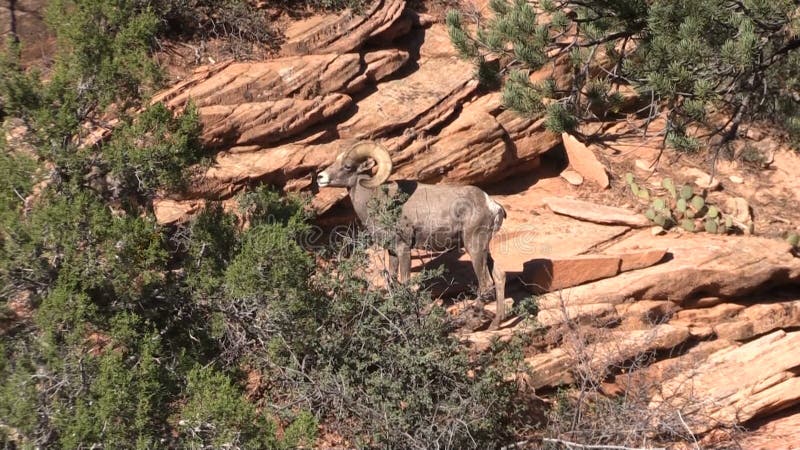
[476, 243]
[403, 252]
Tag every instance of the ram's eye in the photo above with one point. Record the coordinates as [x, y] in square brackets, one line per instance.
[348, 167]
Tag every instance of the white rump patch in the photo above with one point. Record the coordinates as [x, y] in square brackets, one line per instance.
[498, 213]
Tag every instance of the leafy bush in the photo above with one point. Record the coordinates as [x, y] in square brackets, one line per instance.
[124, 405]
[385, 373]
[103, 51]
[217, 415]
[151, 151]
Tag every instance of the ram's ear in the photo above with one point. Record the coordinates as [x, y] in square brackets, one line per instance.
[366, 166]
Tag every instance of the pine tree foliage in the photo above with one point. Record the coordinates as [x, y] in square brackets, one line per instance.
[696, 61]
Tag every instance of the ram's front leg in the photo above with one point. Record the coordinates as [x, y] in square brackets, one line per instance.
[393, 263]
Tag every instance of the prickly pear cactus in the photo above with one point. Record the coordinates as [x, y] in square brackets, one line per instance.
[793, 239]
[680, 206]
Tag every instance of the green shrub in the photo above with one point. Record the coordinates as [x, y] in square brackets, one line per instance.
[18, 408]
[384, 373]
[210, 240]
[151, 151]
[104, 48]
[123, 407]
[216, 414]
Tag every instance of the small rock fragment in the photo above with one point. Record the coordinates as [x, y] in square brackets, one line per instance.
[572, 177]
[739, 211]
[645, 165]
[736, 179]
[702, 179]
[584, 161]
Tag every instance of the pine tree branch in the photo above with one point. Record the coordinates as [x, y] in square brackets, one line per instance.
[794, 44]
[609, 38]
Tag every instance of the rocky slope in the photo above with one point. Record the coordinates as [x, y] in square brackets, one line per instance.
[719, 313]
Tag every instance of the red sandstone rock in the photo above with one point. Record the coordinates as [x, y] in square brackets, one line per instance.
[584, 161]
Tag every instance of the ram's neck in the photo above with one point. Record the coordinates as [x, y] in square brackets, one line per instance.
[360, 198]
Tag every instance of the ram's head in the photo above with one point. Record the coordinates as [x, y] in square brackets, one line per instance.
[355, 164]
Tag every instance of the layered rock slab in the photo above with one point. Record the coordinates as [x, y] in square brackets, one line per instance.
[303, 77]
[735, 385]
[778, 434]
[343, 32]
[701, 265]
[556, 367]
[427, 96]
[739, 322]
[267, 122]
[482, 144]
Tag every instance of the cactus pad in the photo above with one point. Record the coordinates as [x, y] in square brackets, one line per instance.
[686, 192]
[669, 186]
[711, 225]
[629, 178]
[698, 203]
[680, 205]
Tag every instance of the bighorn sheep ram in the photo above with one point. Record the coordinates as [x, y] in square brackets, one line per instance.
[434, 217]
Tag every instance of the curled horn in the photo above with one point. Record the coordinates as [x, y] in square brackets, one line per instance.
[369, 149]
